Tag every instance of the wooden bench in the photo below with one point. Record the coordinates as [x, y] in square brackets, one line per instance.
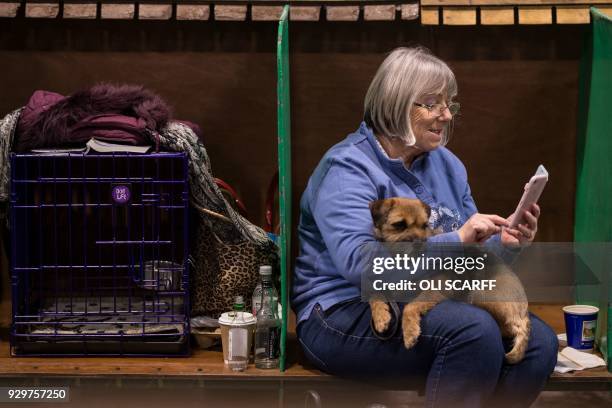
[208, 364]
[203, 373]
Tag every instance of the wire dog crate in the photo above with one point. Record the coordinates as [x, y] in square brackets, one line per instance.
[99, 248]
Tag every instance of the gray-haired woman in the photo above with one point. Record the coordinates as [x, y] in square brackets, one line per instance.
[399, 151]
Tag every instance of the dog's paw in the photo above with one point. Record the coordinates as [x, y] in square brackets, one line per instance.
[381, 316]
[410, 338]
[411, 330]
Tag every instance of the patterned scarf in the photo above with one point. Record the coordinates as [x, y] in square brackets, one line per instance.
[8, 124]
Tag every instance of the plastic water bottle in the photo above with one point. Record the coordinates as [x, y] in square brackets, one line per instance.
[264, 270]
[268, 328]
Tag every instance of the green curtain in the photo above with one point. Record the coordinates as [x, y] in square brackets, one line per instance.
[593, 214]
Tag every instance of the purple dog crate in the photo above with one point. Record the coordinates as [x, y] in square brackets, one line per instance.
[99, 261]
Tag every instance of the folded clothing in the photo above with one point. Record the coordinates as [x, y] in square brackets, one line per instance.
[48, 118]
[110, 128]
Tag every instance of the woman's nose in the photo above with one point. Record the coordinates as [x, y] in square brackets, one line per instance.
[446, 115]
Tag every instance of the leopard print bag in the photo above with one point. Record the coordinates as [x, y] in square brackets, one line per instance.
[226, 270]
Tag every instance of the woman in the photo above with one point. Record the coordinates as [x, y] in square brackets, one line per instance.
[398, 151]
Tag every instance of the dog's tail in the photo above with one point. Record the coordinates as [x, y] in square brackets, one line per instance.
[520, 330]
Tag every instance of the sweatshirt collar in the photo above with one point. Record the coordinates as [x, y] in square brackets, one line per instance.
[396, 165]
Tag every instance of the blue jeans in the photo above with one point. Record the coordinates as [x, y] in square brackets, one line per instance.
[460, 353]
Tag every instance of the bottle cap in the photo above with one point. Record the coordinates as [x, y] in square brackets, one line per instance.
[238, 300]
[265, 270]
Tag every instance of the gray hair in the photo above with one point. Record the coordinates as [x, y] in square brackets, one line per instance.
[405, 75]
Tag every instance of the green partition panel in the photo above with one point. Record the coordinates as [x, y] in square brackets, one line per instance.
[284, 167]
[593, 216]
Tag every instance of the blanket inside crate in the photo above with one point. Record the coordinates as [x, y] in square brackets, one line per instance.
[107, 316]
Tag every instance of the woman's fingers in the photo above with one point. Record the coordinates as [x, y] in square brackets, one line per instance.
[514, 232]
[493, 226]
[497, 220]
[481, 226]
[485, 227]
[535, 210]
[527, 232]
[531, 219]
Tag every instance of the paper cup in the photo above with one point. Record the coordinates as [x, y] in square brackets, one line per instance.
[237, 338]
[580, 326]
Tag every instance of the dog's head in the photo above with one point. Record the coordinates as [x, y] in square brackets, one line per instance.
[401, 219]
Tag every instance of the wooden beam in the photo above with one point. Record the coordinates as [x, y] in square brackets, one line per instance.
[230, 13]
[573, 15]
[497, 15]
[385, 12]
[42, 10]
[154, 11]
[192, 12]
[9, 9]
[410, 11]
[342, 13]
[430, 16]
[80, 10]
[266, 13]
[459, 16]
[606, 10]
[305, 13]
[535, 15]
[117, 11]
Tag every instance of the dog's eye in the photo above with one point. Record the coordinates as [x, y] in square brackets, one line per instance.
[426, 225]
[399, 224]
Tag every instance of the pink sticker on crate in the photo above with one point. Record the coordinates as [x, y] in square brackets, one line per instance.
[121, 194]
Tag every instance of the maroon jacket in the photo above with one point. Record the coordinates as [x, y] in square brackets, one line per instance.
[115, 113]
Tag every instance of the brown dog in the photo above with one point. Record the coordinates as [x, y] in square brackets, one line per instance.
[404, 219]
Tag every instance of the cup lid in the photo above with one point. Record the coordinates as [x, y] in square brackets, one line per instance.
[237, 319]
[581, 309]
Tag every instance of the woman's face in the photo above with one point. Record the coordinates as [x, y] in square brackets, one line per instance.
[428, 126]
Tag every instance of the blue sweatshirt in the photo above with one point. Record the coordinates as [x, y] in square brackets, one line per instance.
[335, 220]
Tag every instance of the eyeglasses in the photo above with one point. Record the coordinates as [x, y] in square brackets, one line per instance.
[437, 108]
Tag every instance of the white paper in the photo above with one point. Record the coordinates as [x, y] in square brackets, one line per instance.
[570, 359]
[106, 147]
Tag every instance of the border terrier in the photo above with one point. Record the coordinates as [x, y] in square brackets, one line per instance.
[407, 220]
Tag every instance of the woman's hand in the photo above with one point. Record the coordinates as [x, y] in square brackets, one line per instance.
[480, 227]
[523, 233]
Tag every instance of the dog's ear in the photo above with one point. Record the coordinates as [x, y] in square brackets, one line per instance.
[379, 210]
[427, 209]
